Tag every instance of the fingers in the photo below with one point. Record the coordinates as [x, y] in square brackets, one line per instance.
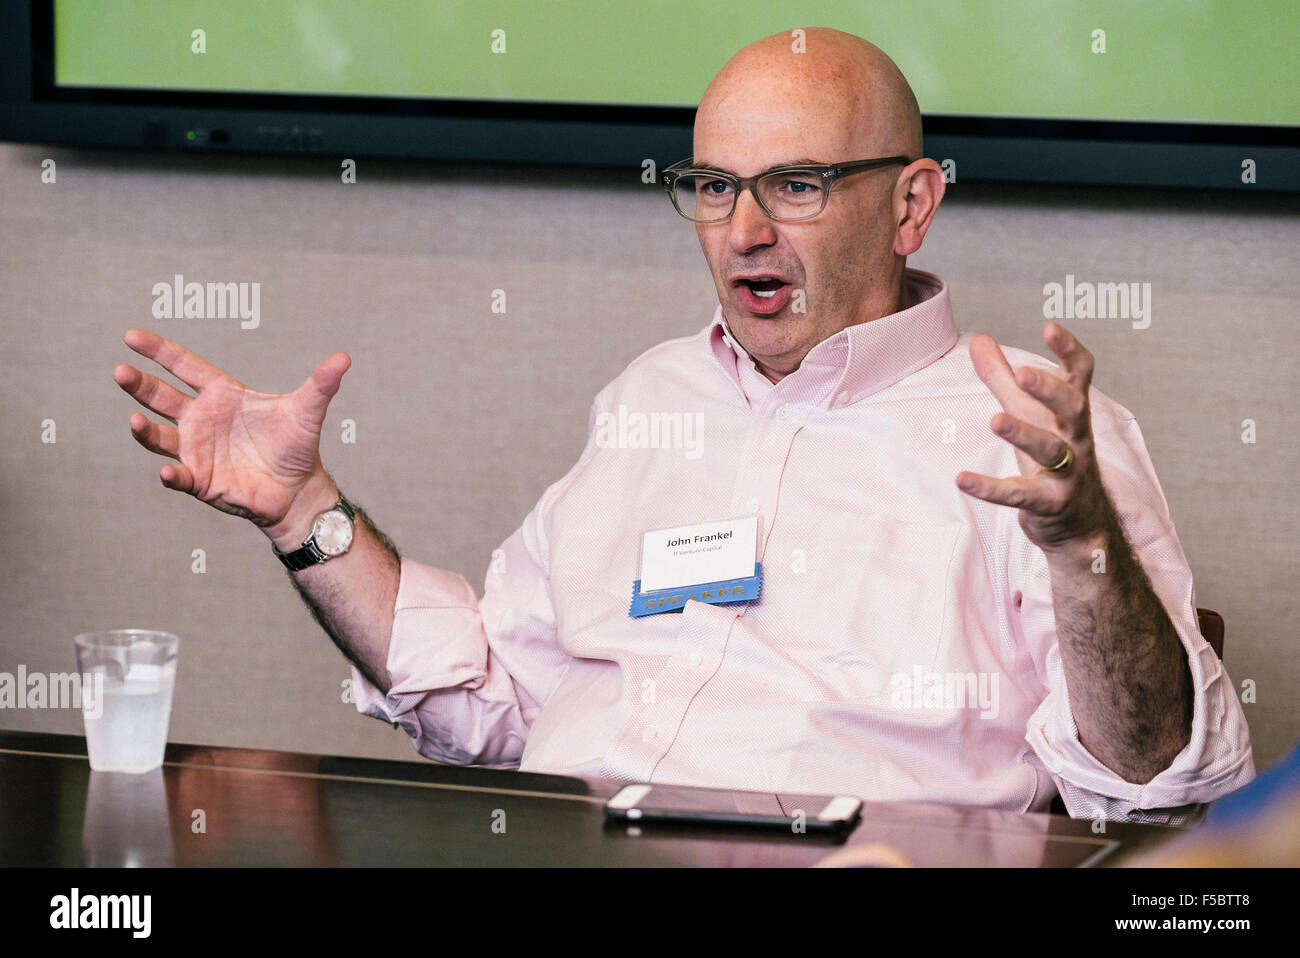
[1045, 448]
[164, 440]
[176, 476]
[151, 392]
[323, 383]
[1076, 362]
[1020, 492]
[992, 367]
[189, 368]
[1064, 399]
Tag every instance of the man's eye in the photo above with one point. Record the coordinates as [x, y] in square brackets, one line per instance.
[713, 187]
[800, 186]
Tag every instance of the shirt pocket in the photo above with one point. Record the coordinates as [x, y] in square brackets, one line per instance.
[881, 609]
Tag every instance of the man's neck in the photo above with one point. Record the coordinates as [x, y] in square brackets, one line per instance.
[902, 302]
[905, 300]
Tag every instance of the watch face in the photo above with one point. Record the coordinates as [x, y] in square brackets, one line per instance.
[333, 532]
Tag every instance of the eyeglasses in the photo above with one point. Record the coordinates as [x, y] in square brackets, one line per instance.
[787, 193]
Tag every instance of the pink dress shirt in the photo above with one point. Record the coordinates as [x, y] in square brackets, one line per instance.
[903, 647]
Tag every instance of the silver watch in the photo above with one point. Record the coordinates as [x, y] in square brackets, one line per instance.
[331, 536]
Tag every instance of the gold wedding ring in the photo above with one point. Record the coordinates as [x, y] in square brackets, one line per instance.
[1065, 460]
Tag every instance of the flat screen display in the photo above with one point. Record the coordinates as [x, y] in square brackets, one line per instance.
[1215, 61]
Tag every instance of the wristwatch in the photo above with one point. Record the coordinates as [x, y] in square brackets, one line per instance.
[331, 535]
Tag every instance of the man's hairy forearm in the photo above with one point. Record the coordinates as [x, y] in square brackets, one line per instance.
[1126, 669]
[353, 595]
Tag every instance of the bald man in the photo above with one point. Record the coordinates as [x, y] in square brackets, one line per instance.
[828, 544]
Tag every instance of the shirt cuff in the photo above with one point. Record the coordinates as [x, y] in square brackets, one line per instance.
[436, 643]
[1216, 760]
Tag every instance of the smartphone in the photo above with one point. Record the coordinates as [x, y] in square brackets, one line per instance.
[687, 804]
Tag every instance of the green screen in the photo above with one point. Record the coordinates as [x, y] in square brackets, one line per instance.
[1197, 61]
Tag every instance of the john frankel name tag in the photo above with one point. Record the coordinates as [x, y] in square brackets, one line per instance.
[714, 562]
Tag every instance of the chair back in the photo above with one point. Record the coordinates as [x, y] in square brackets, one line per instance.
[1211, 624]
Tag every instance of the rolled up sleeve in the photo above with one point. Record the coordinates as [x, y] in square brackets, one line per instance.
[466, 687]
[1217, 758]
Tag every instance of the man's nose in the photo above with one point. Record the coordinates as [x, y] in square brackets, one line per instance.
[750, 226]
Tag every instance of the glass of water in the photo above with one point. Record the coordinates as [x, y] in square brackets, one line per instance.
[131, 673]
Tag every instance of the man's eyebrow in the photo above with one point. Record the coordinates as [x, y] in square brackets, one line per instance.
[802, 161]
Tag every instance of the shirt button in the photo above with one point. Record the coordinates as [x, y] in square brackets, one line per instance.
[753, 503]
[694, 660]
[783, 412]
[843, 398]
[649, 734]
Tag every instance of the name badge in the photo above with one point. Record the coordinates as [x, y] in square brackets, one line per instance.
[714, 562]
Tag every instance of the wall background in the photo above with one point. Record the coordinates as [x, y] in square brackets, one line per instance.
[465, 416]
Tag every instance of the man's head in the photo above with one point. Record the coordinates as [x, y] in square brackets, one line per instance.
[826, 97]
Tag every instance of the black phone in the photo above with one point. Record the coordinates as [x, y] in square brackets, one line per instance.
[687, 804]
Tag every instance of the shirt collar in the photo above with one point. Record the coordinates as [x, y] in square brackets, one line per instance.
[860, 360]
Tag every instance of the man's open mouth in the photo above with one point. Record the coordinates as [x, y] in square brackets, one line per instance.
[766, 288]
[762, 294]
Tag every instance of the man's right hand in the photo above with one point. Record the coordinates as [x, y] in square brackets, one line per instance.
[248, 453]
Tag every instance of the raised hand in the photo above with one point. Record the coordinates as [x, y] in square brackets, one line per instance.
[244, 452]
[1048, 419]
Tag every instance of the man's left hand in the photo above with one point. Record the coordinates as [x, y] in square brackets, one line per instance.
[1044, 415]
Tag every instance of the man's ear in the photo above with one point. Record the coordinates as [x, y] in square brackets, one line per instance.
[917, 196]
